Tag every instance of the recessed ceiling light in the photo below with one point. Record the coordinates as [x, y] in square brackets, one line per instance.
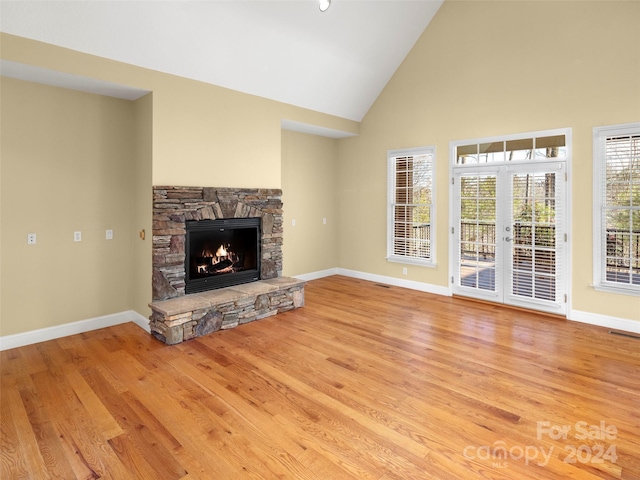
[324, 5]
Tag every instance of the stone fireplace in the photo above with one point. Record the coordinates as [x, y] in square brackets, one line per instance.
[174, 206]
[177, 316]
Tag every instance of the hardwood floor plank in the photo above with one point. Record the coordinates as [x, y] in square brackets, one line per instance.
[238, 424]
[377, 439]
[58, 412]
[133, 459]
[106, 425]
[162, 433]
[189, 422]
[138, 433]
[54, 460]
[364, 382]
[247, 417]
[373, 410]
[16, 371]
[20, 453]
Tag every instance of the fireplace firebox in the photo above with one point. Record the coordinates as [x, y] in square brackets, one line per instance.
[221, 253]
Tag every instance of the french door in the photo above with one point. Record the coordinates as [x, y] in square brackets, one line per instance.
[509, 234]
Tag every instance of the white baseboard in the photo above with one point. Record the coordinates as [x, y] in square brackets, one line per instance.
[59, 331]
[315, 275]
[36, 336]
[615, 323]
[396, 282]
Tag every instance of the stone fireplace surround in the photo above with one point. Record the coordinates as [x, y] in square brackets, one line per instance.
[177, 317]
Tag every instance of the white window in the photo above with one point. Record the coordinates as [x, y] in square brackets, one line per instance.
[616, 193]
[411, 222]
[540, 147]
[510, 213]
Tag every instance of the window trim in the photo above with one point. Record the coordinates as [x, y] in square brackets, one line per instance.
[600, 135]
[391, 180]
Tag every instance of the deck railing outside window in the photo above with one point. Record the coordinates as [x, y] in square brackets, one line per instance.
[481, 238]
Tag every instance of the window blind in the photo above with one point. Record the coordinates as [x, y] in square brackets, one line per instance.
[411, 206]
[617, 193]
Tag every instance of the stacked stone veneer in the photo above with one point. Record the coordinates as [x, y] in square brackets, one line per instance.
[173, 206]
[182, 318]
[176, 316]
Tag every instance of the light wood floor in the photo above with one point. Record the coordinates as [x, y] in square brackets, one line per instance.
[365, 381]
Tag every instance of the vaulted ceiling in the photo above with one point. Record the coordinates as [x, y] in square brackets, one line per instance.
[335, 62]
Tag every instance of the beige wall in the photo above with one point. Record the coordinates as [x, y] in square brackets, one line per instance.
[184, 133]
[208, 136]
[496, 68]
[309, 179]
[480, 69]
[202, 134]
[142, 204]
[67, 165]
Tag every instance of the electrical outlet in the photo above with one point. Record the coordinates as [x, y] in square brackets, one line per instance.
[404, 270]
[31, 238]
[293, 222]
[77, 236]
[324, 221]
[109, 235]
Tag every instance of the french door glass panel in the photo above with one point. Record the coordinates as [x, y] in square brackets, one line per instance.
[477, 239]
[536, 245]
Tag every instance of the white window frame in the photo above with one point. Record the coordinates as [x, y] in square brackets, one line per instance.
[391, 190]
[600, 135]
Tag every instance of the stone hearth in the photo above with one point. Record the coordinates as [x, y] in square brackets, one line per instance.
[196, 314]
[176, 316]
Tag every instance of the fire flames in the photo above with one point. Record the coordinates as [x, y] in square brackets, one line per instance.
[222, 261]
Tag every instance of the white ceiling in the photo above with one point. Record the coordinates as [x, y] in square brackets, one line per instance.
[336, 62]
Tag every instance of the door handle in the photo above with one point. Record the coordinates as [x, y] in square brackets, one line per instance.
[508, 239]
